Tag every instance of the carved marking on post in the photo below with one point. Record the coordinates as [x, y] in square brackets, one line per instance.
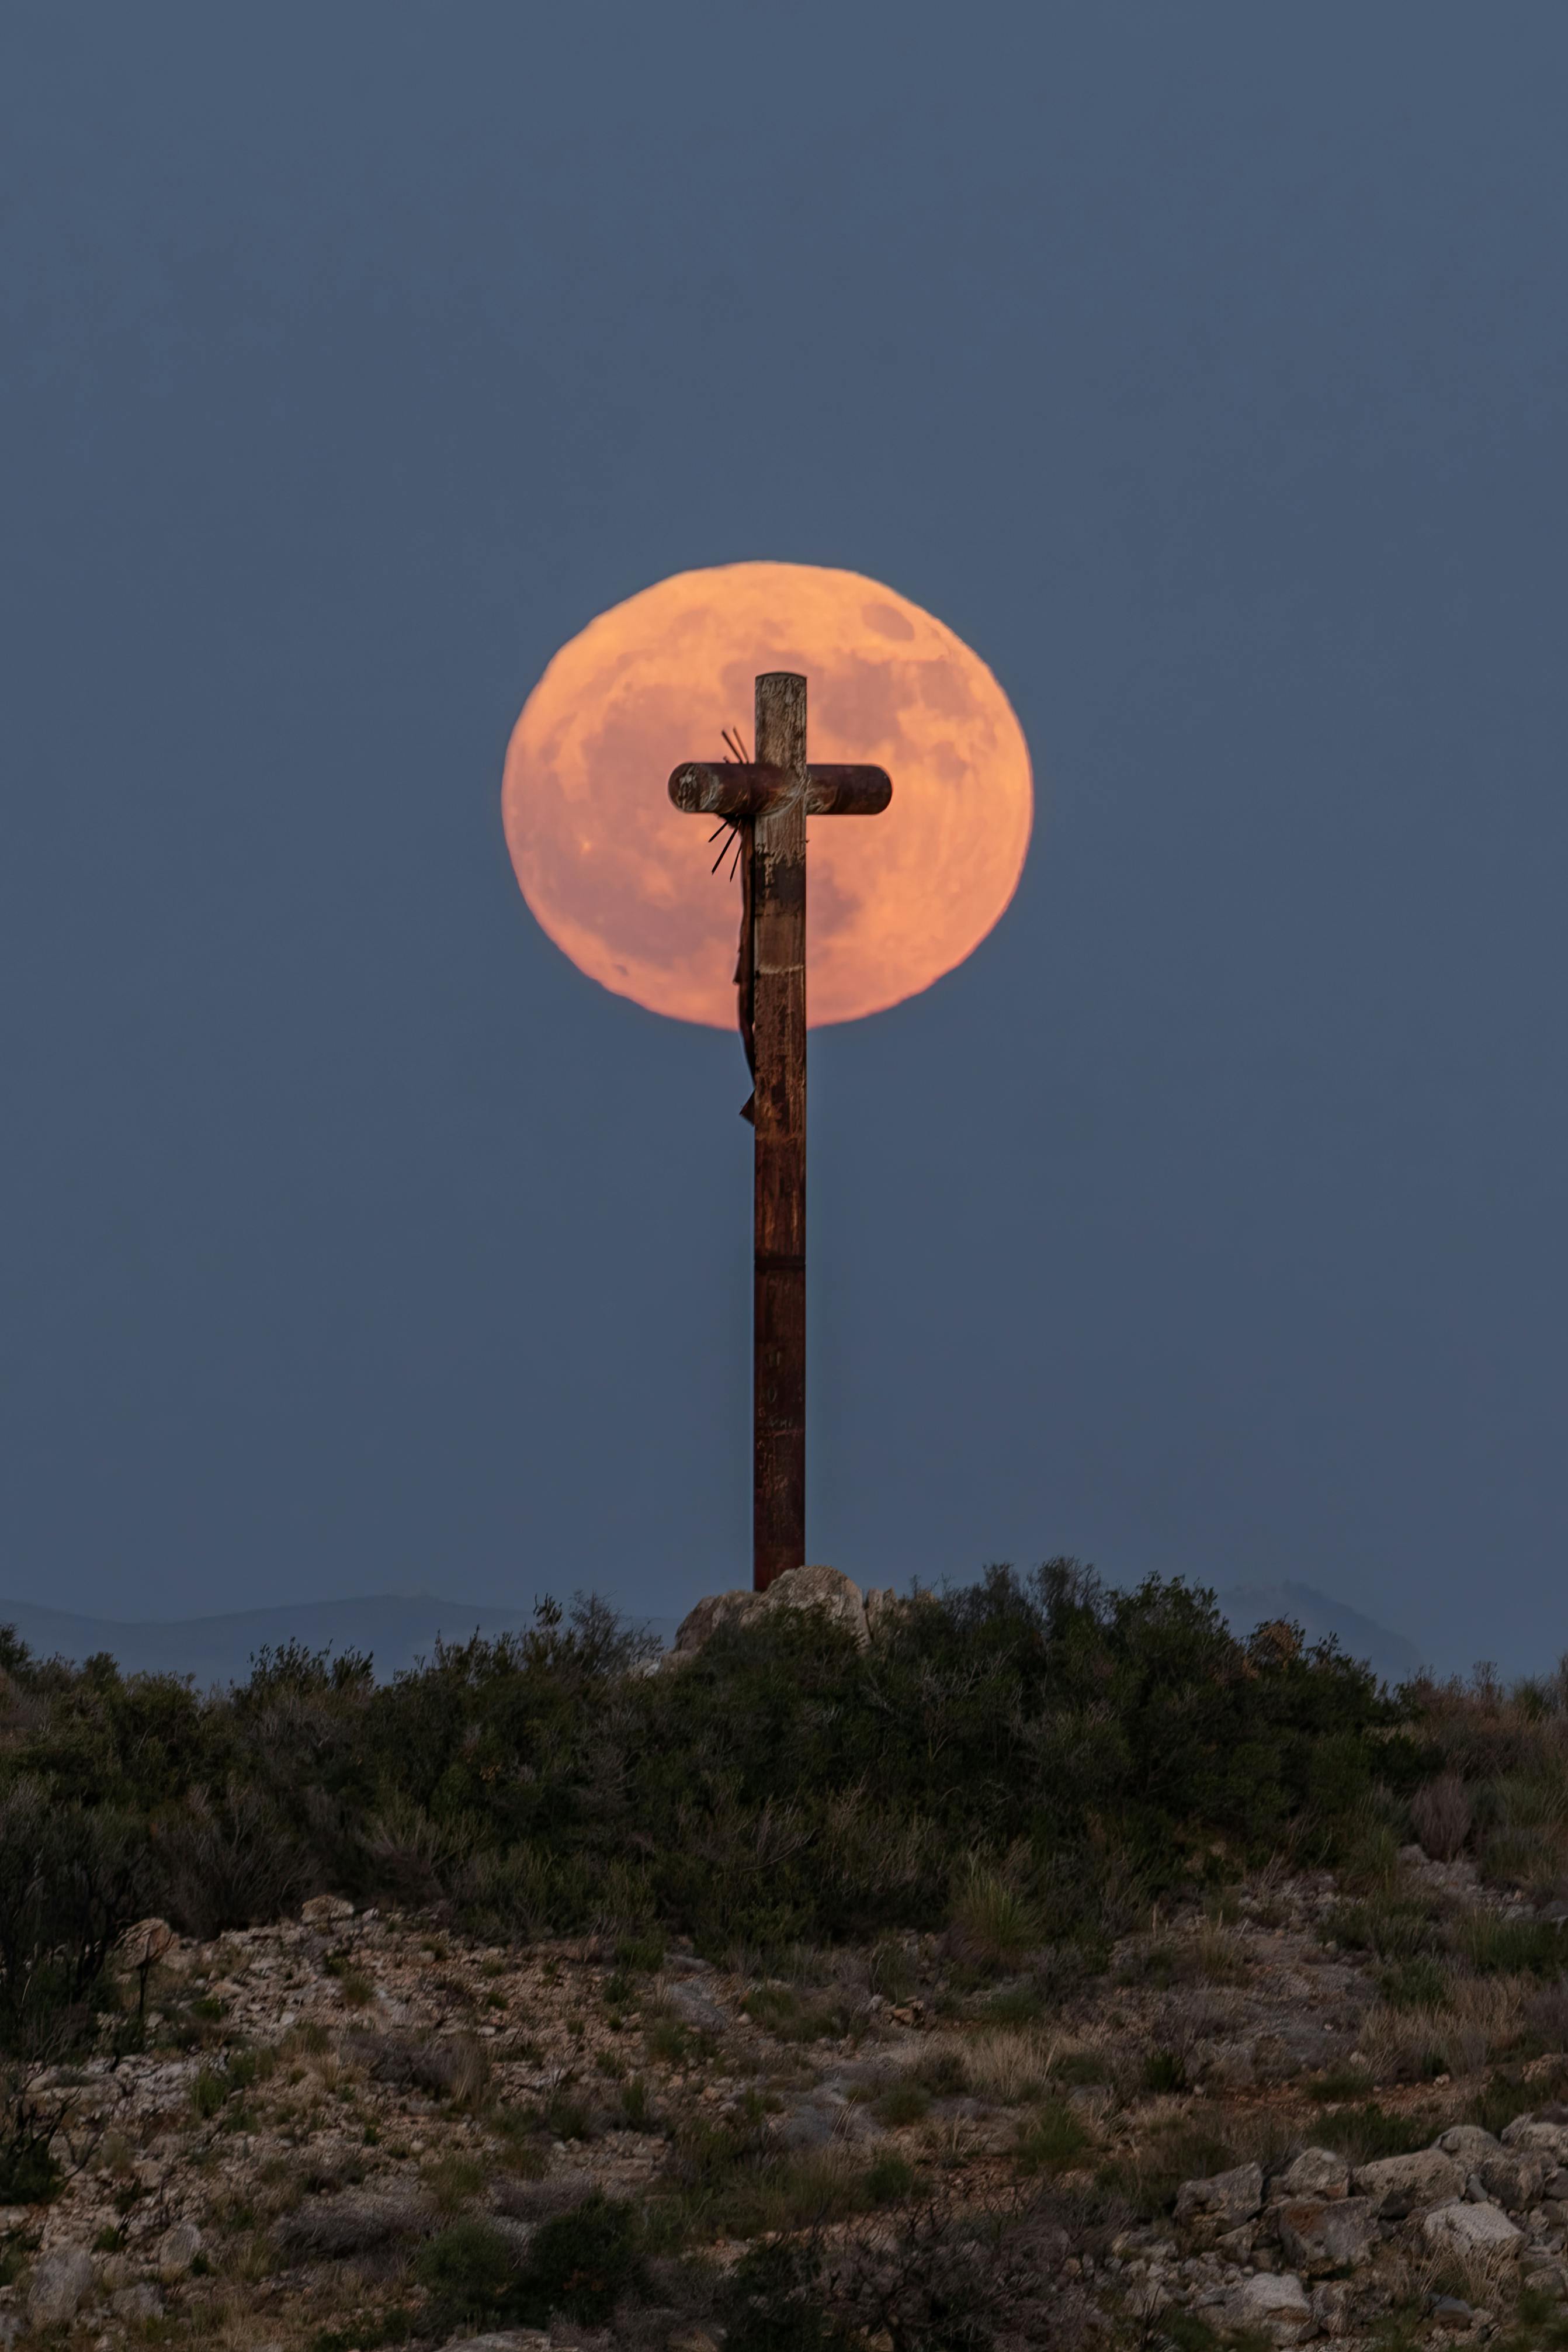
[769, 799]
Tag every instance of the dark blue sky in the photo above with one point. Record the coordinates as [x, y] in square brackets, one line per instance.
[1204, 368]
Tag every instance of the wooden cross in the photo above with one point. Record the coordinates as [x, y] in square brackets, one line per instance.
[767, 801]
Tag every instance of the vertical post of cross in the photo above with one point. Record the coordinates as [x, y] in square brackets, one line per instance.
[766, 800]
[779, 1326]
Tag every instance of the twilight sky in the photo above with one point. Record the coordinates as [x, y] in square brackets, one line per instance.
[1204, 369]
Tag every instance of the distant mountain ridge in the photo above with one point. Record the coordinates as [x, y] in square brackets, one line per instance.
[399, 1629]
[1390, 1655]
[396, 1629]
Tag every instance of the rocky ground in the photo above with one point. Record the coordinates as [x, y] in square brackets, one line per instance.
[321, 2099]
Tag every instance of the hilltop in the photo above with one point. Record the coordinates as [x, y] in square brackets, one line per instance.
[1035, 1965]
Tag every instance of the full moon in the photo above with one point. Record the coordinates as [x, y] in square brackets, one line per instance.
[621, 880]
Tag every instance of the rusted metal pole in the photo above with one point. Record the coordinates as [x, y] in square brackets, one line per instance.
[778, 1293]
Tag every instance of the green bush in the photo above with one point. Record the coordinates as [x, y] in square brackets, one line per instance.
[1513, 1947]
[890, 2179]
[1421, 1983]
[903, 2102]
[770, 2304]
[1023, 1753]
[582, 2263]
[470, 2274]
[1367, 2132]
[1053, 2141]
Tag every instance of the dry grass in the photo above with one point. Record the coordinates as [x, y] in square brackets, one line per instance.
[1487, 2280]
[1220, 1955]
[1479, 2019]
[1440, 1813]
[1008, 2064]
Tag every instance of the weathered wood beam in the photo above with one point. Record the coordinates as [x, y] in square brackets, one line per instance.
[779, 1287]
[726, 788]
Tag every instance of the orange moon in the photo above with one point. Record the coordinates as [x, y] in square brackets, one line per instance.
[620, 880]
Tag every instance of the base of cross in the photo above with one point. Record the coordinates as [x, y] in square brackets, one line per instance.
[768, 801]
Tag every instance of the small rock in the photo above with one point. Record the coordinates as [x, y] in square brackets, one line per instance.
[807, 2126]
[178, 2249]
[1277, 2304]
[1468, 2145]
[142, 2301]
[1449, 2311]
[690, 2340]
[1225, 2198]
[508, 2339]
[1397, 2183]
[883, 1609]
[1333, 2307]
[60, 2284]
[1472, 2229]
[1316, 2172]
[694, 2008]
[326, 1910]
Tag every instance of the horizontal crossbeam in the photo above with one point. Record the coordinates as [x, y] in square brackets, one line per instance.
[728, 788]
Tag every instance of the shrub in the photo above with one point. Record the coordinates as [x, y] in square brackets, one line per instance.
[470, 2273]
[1164, 2072]
[902, 2103]
[582, 2263]
[992, 1922]
[771, 2301]
[890, 2179]
[1054, 2140]
[1367, 2132]
[1021, 1751]
[1513, 1947]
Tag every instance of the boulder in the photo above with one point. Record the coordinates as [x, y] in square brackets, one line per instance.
[1397, 2184]
[699, 1624]
[798, 1588]
[1540, 2132]
[60, 2285]
[1224, 2199]
[1275, 2304]
[1466, 2229]
[177, 2250]
[823, 1589]
[1515, 2178]
[146, 1942]
[1316, 2172]
[1321, 2233]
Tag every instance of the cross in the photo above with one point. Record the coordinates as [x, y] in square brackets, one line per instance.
[766, 801]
